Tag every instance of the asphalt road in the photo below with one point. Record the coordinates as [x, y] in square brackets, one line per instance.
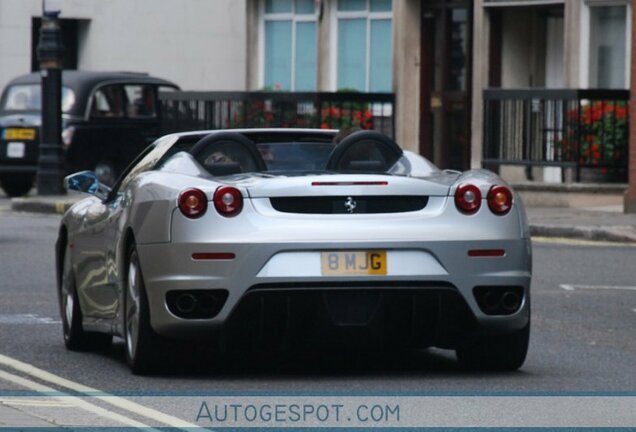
[582, 339]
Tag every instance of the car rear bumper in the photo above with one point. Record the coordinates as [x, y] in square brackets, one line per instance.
[417, 272]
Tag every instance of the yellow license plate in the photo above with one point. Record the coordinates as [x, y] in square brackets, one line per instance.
[349, 263]
[19, 134]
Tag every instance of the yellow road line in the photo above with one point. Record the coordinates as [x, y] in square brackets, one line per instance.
[580, 242]
[60, 207]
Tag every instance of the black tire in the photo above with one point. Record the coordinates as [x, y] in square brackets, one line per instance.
[16, 185]
[144, 348]
[497, 353]
[75, 338]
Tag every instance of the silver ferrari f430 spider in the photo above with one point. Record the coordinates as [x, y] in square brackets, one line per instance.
[277, 237]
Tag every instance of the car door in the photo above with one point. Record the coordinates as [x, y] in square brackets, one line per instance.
[96, 293]
[97, 242]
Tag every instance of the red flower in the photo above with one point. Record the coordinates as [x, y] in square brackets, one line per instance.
[621, 113]
[596, 133]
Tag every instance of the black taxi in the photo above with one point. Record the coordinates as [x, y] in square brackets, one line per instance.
[107, 119]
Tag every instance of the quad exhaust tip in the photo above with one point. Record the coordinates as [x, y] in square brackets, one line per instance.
[499, 300]
[196, 304]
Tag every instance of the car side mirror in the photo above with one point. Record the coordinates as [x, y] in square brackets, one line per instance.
[86, 182]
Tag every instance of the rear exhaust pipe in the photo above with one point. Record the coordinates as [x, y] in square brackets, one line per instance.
[492, 301]
[186, 303]
[207, 303]
[510, 301]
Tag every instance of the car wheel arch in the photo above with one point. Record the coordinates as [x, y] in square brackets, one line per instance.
[129, 240]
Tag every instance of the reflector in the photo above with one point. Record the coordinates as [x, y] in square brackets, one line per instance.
[486, 253]
[213, 256]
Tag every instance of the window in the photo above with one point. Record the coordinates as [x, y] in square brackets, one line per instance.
[141, 101]
[289, 45]
[28, 97]
[131, 101]
[364, 50]
[108, 102]
[608, 46]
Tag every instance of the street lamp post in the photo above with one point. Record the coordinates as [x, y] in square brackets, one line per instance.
[630, 195]
[50, 53]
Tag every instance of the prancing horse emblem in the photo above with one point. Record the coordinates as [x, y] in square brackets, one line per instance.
[350, 204]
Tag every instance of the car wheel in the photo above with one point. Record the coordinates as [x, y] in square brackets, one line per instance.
[75, 338]
[143, 345]
[17, 185]
[498, 353]
[106, 173]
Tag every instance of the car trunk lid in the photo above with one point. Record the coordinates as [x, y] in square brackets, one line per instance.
[342, 193]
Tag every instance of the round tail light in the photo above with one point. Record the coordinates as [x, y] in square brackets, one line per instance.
[499, 200]
[468, 198]
[193, 203]
[228, 201]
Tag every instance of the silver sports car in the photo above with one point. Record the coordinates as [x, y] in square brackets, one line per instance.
[273, 238]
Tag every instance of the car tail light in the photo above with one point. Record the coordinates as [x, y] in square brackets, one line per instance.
[468, 198]
[228, 201]
[499, 200]
[193, 203]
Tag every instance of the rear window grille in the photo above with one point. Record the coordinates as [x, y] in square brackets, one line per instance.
[349, 204]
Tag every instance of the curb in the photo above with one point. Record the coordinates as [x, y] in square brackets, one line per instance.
[618, 234]
[53, 205]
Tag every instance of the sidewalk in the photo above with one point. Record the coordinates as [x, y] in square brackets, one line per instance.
[12, 418]
[599, 223]
[606, 223]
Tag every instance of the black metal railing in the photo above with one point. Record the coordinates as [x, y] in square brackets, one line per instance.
[188, 110]
[586, 130]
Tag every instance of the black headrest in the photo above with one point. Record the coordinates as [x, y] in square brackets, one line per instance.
[364, 151]
[228, 151]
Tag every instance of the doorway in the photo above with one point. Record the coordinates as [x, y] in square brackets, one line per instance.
[446, 82]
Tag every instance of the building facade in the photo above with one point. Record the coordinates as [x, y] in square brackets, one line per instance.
[437, 56]
[548, 44]
[198, 44]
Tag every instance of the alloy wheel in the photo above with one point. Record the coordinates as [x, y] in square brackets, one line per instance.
[132, 308]
[67, 297]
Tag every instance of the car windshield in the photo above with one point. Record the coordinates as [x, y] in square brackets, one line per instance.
[28, 97]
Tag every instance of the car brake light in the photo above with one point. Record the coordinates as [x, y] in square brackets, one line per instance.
[499, 200]
[350, 183]
[193, 203]
[228, 201]
[468, 198]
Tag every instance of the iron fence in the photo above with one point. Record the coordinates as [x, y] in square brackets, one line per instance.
[188, 110]
[585, 130]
